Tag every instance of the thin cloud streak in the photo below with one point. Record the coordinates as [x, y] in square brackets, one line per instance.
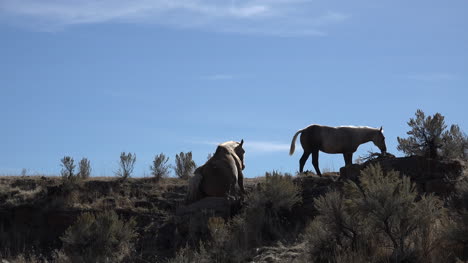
[255, 146]
[218, 77]
[266, 17]
[265, 147]
[432, 77]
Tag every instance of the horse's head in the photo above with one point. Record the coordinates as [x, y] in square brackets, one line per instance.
[379, 140]
[240, 153]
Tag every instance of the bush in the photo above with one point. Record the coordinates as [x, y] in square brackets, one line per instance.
[428, 138]
[84, 169]
[184, 165]
[457, 230]
[383, 211]
[99, 238]
[160, 168]
[267, 215]
[336, 228]
[126, 165]
[189, 255]
[68, 167]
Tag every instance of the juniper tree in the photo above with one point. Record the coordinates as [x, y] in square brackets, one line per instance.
[455, 144]
[428, 137]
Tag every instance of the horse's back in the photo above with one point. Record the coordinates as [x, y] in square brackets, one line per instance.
[219, 174]
[311, 137]
[324, 138]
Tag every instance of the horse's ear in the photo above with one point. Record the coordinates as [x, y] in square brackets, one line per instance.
[381, 128]
[242, 142]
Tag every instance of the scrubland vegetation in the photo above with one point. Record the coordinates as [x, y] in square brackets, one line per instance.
[380, 217]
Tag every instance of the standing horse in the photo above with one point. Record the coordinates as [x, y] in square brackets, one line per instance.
[220, 174]
[343, 139]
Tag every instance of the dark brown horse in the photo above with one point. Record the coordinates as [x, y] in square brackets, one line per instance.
[343, 139]
[220, 174]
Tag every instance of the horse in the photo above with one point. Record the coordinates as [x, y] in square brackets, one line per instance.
[220, 174]
[343, 139]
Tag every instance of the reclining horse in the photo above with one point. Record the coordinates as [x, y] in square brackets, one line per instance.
[343, 139]
[220, 174]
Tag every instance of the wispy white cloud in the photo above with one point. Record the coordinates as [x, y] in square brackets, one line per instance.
[265, 147]
[218, 77]
[432, 77]
[269, 17]
[255, 146]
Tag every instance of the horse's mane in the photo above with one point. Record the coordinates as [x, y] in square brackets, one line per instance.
[348, 126]
[230, 144]
[228, 147]
[359, 127]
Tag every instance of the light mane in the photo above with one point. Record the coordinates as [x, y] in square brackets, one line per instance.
[229, 143]
[350, 126]
[230, 146]
[357, 127]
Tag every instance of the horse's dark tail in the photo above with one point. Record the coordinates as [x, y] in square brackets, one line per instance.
[293, 143]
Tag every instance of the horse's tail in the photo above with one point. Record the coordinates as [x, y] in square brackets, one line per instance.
[293, 143]
[193, 191]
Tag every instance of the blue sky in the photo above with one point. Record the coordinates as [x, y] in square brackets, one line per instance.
[95, 78]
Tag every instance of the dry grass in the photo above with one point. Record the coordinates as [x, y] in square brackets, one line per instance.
[91, 193]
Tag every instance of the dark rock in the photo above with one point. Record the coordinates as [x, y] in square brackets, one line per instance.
[313, 187]
[430, 175]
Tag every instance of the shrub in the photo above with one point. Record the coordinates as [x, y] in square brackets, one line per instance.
[99, 238]
[84, 168]
[190, 255]
[457, 230]
[160, 168]
[126, 165]
[267, 215]
[220, 249]
[383, 211]
[391, 207]
[68, 167]
[428, 138]
[457, 235]
[184, 165]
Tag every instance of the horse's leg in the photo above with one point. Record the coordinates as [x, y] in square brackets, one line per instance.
[348, 158]
[315, 162]
[240, 182]
[303, 160]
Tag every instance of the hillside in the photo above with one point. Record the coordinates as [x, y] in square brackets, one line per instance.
[35, 211]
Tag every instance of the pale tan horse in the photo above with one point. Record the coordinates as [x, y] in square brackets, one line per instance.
[343, 139]
[220, 174]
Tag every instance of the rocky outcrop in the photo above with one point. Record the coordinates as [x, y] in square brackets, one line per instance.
[312, 187]
[429, 175]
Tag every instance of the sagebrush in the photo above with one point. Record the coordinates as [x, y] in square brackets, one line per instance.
[103, 237]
